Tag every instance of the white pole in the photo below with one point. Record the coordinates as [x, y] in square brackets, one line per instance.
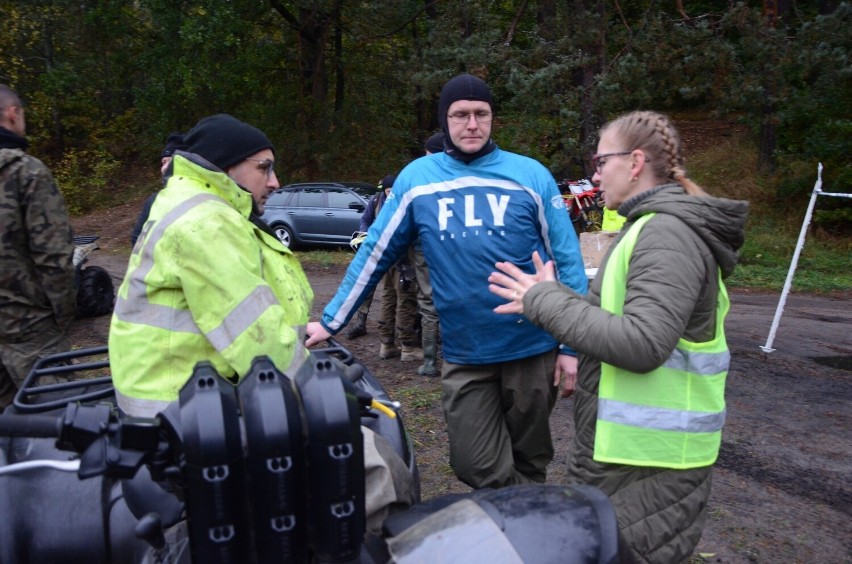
[767, 348]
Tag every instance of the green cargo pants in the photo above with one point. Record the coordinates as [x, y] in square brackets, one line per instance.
[498, 420]
[399, 310]
[428, 313]
[17, 359]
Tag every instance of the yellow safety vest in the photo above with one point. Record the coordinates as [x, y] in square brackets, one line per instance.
[671, 417]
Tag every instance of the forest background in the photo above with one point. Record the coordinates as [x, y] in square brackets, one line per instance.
[348, 91]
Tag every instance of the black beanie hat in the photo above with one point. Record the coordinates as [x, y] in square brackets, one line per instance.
[225, 141]
[174, 142]
[387, 182]
[462, 87]
[435, 143]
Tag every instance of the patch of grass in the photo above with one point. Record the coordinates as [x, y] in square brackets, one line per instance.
[446, 470]
[718, 513]
[419, 423]
[415, 398]
[825, 263]
[325, 258]
[824, 266]
[726, 170]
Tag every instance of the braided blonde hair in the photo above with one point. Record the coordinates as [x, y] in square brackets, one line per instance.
[656, 136]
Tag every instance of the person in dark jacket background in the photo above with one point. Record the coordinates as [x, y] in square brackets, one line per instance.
[37, 293]
[399, 295]
[429, 320]
[173, 142]
[649, 405]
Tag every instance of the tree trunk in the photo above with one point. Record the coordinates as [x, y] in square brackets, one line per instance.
[767, 163]
[596, 49]
[339, 73]
[546, 19]
[826, 7]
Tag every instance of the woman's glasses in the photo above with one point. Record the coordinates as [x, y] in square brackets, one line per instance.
[598, 162]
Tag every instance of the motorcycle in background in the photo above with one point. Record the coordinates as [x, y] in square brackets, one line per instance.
[583, 201]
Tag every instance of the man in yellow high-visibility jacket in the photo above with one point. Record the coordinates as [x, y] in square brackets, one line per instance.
[207, 280]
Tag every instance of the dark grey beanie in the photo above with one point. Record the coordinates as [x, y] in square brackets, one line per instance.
[225, 141]
[462, 87]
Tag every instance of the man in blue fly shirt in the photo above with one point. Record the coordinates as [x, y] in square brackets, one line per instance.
[473, 205]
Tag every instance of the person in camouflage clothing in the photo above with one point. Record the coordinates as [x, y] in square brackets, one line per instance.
[37, 294]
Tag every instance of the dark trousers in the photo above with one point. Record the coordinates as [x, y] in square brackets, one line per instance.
[498, 420]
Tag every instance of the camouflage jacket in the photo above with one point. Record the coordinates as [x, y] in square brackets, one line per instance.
[36, 246]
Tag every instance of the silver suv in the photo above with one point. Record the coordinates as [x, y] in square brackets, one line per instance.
[315, 213]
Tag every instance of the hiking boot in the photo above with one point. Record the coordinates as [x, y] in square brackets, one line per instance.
[358, 328]
[388, 351]
[411, 353]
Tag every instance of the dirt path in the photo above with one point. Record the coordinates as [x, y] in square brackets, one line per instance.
[782, 483]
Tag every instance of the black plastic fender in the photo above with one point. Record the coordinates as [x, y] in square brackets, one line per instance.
[529, 523]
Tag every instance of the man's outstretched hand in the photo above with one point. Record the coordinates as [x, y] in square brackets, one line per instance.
[316, 333]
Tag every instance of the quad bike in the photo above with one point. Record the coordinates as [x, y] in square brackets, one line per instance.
[271, 470]
[583, 200]
[95, 291]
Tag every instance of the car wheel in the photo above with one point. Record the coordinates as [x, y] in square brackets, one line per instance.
[95, 294]
[284, 235]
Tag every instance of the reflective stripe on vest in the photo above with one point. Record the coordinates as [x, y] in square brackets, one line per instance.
[137, 309]
[670, 417]
[140, 407]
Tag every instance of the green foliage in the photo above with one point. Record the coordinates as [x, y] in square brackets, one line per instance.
[84, 177]
[773, 228]
[681, 75]
[815, 114]
[765, 259]
[349, 91]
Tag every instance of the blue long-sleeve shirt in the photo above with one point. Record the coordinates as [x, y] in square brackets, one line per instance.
[500, 207]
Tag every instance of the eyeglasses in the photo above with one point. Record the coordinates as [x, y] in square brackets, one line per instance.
[461, 118]
[598, 162]
[266, 165]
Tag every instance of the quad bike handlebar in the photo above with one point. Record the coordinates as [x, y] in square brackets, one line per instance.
[43, 426]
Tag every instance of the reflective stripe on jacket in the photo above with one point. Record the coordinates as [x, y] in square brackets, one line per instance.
[204, 283]
[670, 417]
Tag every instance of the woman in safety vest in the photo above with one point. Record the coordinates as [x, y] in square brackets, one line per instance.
[650, 392]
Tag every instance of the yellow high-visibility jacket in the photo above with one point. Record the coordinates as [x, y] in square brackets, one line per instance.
[612, 221]
[203, 283]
